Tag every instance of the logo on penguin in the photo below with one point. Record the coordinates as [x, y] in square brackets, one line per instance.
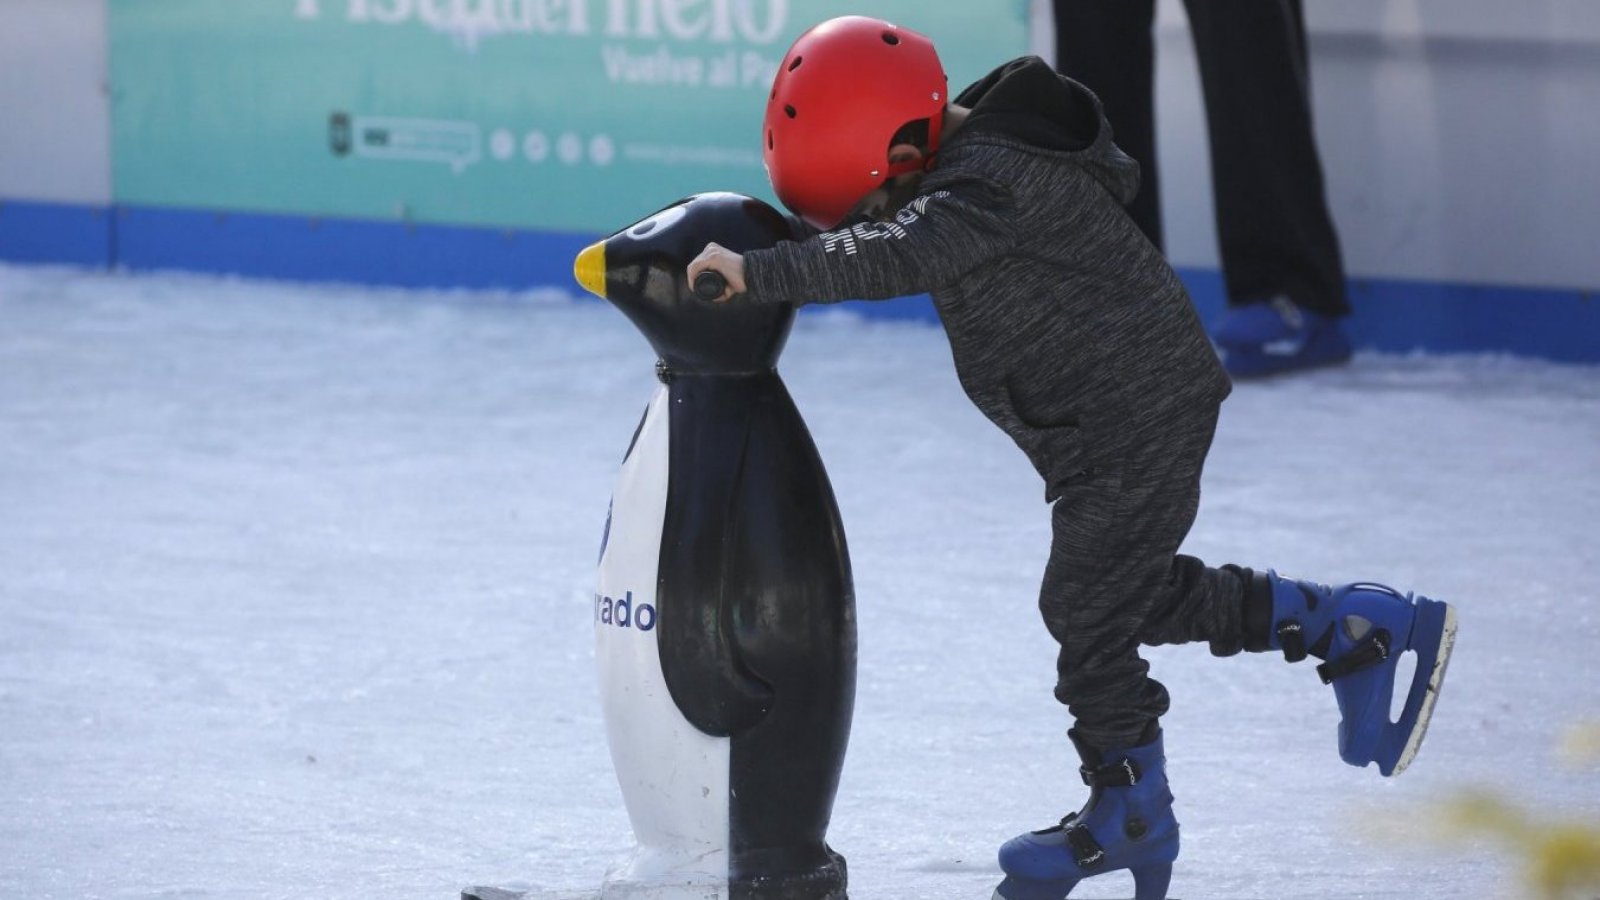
[623, 613]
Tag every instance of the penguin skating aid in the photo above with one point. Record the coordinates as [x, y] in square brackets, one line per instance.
[724, 614]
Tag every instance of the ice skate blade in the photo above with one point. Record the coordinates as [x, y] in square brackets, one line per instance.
[1441, 662]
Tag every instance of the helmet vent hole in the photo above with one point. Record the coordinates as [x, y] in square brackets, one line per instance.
[796, 64]
[769, 139]
[891, 38]
[788, 110]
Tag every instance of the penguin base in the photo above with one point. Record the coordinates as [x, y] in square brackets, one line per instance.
[520, 892]
[492, 893]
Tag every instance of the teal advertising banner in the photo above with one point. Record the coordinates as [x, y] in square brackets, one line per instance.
[553, 114]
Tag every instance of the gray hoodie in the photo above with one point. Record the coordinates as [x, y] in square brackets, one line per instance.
[1068, 328]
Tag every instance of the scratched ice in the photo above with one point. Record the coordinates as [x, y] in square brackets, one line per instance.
[295, 600]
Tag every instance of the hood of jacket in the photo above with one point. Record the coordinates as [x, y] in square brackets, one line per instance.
[1027, 102]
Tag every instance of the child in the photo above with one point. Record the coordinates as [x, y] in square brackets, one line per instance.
[1072, 334]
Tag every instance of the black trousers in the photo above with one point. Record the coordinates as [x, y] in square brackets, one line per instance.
[1273, 225]
[1115, 581]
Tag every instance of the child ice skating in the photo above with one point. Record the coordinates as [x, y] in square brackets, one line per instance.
[1072, 334]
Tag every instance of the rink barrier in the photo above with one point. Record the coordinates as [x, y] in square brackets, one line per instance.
[306, 248]
[1391, 315]
[74, 234]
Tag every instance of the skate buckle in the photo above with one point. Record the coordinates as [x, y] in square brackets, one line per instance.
[1118, 774]
[1365, 655]
[1086, 851]
[1292, 638]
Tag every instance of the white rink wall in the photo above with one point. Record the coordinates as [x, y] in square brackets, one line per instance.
[55, 114]
[1458, 138]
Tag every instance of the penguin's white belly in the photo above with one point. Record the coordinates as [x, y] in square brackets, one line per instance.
[674, 778]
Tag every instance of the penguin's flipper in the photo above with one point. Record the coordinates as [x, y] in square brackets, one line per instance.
[705, 570]
[710, 684]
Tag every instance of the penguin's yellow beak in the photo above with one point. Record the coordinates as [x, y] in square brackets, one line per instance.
[590, 269]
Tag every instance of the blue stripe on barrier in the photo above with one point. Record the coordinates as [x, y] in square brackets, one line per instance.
[71, 233]
[1398, 316]
[311, 248]
[1390, 314]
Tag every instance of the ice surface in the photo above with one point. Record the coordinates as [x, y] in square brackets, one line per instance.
[294, 600]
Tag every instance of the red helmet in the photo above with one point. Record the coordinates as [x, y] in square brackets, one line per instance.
[843, 90]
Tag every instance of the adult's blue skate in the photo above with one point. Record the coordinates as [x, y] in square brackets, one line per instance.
[1276, 336]
[1127, 824]
[1360, 631]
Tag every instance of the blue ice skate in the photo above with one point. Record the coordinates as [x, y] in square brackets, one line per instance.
[1127, 824]
[1360, 630]
[1276, 336]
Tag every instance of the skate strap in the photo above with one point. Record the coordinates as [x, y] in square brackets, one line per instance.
[1123, 773]
[1086, 851]
[1365, 655]
[1292, 638]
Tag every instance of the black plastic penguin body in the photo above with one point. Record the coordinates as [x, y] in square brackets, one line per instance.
[725, 618]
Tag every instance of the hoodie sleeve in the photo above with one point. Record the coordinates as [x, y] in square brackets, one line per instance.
[931, 241]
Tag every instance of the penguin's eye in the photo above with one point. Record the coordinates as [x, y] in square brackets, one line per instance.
[658, 222]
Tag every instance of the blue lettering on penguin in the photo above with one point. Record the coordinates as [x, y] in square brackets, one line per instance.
[605, 536]
[622, 613]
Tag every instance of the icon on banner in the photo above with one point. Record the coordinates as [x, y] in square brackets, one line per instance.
[339, 133]
[535, 146]
[458, 144]
[502, 144]
[569, 148]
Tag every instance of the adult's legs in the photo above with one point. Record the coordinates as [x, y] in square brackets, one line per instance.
[1273, 226]
[1107, 46]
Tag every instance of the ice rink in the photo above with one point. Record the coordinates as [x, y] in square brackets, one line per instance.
[295, 601]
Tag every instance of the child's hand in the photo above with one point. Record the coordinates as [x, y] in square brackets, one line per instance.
[723, 261]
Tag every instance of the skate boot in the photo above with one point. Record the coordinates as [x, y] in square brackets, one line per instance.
[1274, 336]
[1360, 630]
[1127, 824]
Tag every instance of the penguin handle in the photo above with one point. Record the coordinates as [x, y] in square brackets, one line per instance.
[709, 285]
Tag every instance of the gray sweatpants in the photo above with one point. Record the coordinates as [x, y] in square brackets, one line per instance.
[1115, 581]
